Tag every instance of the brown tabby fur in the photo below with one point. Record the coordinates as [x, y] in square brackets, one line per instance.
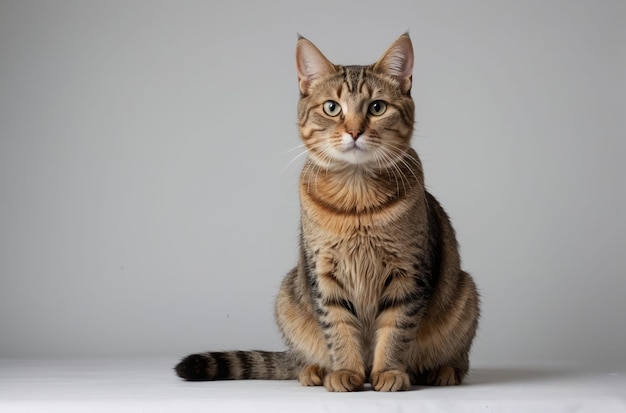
[378, 294]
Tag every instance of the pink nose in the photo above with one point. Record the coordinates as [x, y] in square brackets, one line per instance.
[355, 133]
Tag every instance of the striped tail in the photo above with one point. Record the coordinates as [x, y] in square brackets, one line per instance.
[238, 365]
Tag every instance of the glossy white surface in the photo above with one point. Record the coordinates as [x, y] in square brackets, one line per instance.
[149, 385]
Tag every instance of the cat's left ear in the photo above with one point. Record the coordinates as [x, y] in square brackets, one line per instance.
[398, 62]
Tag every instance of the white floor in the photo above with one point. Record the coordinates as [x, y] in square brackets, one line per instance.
[120, 385]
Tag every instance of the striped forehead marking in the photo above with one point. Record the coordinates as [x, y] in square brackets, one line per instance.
[354, 76]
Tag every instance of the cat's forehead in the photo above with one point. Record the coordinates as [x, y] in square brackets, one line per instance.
[353, 76]
[355, 82]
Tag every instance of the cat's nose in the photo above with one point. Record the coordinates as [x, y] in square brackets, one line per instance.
[355, 133]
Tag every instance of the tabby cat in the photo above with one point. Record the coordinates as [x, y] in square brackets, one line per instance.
[378, 294]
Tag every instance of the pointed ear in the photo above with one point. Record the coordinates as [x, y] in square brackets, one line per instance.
[398, 62]
[310, 63]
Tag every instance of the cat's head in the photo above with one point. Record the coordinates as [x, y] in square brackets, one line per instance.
[355, 115]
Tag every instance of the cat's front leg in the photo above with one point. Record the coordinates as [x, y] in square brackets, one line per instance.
[400, 309]
[343, 339]
[342, 330]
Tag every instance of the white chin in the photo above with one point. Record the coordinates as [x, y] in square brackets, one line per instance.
[353, 156]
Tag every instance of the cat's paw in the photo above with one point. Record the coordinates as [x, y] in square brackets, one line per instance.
[443, 376]
[311, 376]
[344, 380]
[390, 380]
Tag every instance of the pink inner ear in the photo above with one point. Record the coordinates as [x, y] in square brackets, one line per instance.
[398, 61]
[399, 64]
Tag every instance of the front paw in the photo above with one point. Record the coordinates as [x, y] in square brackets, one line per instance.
[344, 380]
[390, 380]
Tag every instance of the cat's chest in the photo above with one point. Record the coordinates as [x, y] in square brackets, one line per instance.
[355, 266]
[360, 260]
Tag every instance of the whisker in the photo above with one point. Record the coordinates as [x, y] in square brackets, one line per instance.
[320, 160]
[397, 171]
[410, 163]
[293, 160]
[294, 148]
[386, 158]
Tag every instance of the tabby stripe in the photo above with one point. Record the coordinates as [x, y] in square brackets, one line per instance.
[405, 325]
[346, 81]
[343, 303]
[245, 364]
[221, 364]
[353, 211]
[361, 83]
[406, 339]
[387, 303]
[294, 292]
[339, 91]
[309, 136]
[416, 309]
[421, 282]
[313, 285]
[365, 85]
[403, 114]
[321, 312]
[305, 118]
[418, 264]
[270, 362]
[394, 130]
[331, 277]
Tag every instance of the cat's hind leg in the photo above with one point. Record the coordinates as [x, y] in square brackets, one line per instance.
[441, 376]
[440, 356]
[296, 319]
[312, 375]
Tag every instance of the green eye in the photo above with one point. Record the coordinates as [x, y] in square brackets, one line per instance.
[377, 107]
[332, 108]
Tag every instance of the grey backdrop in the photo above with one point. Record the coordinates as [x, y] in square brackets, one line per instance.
[144, 207]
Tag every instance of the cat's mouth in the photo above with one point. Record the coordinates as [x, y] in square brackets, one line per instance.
[354, 151]
[352, 148]
[350, 144]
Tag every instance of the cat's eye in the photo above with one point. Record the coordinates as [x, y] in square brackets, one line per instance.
[332, 108]
[377, 107]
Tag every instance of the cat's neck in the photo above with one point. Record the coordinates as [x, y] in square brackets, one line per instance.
[362, 188]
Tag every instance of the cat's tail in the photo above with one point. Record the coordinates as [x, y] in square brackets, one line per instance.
[238, 365]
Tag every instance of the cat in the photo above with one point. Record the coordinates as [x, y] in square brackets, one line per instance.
[378, 294]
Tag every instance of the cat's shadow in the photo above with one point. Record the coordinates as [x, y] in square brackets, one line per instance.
[503, 376]
[485, 376]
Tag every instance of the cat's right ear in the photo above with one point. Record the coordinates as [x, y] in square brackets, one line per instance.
[398, 62]
[310, 63]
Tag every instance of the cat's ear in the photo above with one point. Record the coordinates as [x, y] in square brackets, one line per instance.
[398, 62]
[311, 64]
